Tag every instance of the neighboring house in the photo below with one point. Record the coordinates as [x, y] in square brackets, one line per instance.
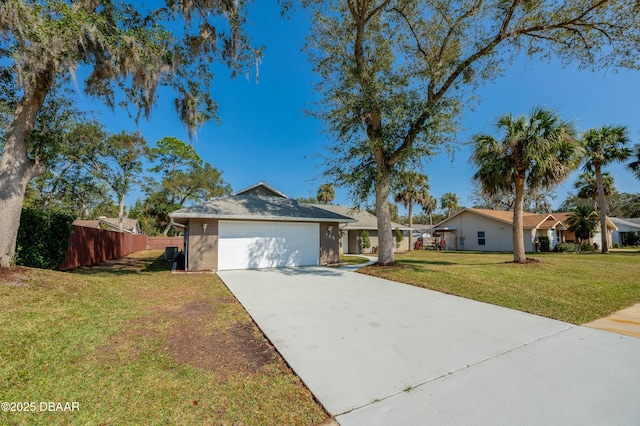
[131, 226]
[625, 227]
[568, 236]
[491, 230]
[351, 241]
[635, 220]
[87, 223]
[257, 227]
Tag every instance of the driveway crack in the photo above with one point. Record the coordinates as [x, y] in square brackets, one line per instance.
[467, 367]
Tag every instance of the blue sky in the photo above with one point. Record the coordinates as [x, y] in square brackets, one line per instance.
[265, 135]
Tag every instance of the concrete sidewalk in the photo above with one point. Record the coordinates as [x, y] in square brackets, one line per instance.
[378, 352]
[625, 321]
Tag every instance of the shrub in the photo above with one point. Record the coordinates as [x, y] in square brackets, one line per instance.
[567, 248]
[399, 237]
[544, 243]
[632, 239]
[43, 238]
[588, 247]
[365, 242]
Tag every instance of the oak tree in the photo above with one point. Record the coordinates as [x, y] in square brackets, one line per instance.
[394, 74]
[127, 51]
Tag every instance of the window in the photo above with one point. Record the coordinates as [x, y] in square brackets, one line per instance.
[481, 240]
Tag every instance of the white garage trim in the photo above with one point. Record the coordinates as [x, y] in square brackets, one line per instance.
[254, 244]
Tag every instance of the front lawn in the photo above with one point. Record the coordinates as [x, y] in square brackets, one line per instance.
[353, 260]
[134, 344]
[576, 288]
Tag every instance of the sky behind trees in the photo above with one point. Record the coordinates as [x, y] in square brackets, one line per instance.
[264, 133]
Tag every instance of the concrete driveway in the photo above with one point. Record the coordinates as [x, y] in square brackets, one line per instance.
[376, 352]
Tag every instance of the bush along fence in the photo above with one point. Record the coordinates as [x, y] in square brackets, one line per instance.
[49, 240]
[89, 246]
[43, 238]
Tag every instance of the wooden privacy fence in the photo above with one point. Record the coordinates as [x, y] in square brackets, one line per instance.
[91, 246]
[160, 243]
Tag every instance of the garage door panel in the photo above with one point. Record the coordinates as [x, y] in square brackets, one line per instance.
[253, 245]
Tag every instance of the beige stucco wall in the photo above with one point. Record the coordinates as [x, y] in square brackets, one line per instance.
[351, 241]
[329, 243]
[404, 244]
[202, 250]
[498, 235]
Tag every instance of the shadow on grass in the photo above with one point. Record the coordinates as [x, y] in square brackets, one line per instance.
[442, 262]
[158, 265]
[426, 262]
[462, 258]
[127, 266]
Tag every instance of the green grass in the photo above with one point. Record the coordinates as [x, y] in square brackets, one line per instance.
[353, 260]
[103, 337]
[576, 288]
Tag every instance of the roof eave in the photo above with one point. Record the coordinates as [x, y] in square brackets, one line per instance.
[259, 218]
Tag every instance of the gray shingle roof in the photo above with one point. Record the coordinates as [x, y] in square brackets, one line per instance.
[630, 223]
[364, 219]
[128, 224]
[257, 207]
[261, 188]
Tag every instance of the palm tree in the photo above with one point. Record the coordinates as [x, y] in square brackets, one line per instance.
[604, 146]
[326, 193]
[538, 151]
[449, 202]
[583, 222]
[588, 188]
[412, 188]
[634, 165]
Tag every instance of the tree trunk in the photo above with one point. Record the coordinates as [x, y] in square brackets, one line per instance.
[385, 235]
[410, 224]
[120, 214]
[16, 168]
[519, 255]
[167, 228]
[602, 205]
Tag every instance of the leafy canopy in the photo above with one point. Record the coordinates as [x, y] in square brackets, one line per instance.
[128, 48]
[539, 150]
[412, 187]
[583, 222]
[395, 75]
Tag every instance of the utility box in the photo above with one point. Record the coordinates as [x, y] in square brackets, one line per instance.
[170, 253]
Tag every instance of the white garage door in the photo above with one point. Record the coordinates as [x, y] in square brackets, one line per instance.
[252, 245]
